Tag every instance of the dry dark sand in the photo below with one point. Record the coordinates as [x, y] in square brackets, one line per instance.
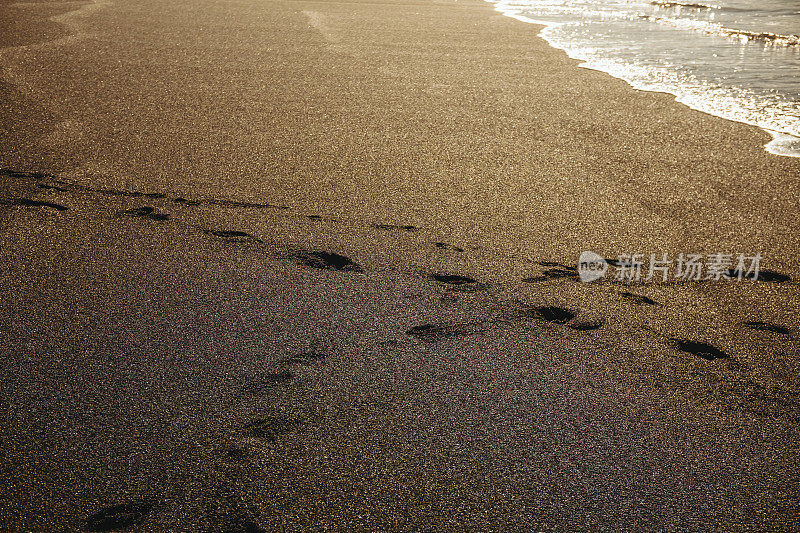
[293, 266]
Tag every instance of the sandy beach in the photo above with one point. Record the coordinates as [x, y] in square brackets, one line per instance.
[310, 266]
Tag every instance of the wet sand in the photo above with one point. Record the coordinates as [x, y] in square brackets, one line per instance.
[310, 265]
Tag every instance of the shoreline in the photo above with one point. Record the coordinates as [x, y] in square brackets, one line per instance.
[782, 144]
[44, 24]
[28, 27]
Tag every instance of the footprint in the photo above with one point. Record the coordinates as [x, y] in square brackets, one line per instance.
[23, 174]
[50, 181]
[276, 378]
[326, 261]
[638, 298]
[229, 513]
[767, 401]
[244, 205]
[53, 187]
[127, 194]
[585, 325]
[226, 203]
[700, 349]
[144, 212]
[272, 427]
[435, 332]
[139, 211]
[767, 326]
[184, 201]
[118, 516]
[456, 283]
[408, 227]
[233, 235]
[452, 279]
[27, 202]
[769, 276]
[114, 192]
[560, 315]
[553, 273]
[233, 454]
[245, 526]
[263, 382]
[445, 246]
[303, 359]
[561, 272]
[550, 313]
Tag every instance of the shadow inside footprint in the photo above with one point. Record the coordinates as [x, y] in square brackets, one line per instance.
[264, 381]
[407, 227]
[700, 349]
[638, 298]
[184, 201]
[128, 194]
[553, 273]
[445, 246]
[435, 332]
[27, 202]
[275, 378]
[769, 276]
[452, 279]
[246, 527]
[303, 359]
[550, 313]
[765, 401]
[244, 205]
[326, 261]
[766, 326]
[118, 516]
[54, 186]
[233, 235]
[587, 325]
[272, 427]
[144, 212]
[24, 174]
[233, 454]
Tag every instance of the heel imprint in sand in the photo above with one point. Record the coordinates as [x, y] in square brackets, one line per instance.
[326, 261]
[119, 516]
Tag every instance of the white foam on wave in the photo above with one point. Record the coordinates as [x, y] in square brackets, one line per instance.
[738, 107]
[684, 5]
[783, 144]
[715, 28]
[512, 10]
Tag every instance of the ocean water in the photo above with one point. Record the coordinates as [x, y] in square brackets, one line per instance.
[737, 59]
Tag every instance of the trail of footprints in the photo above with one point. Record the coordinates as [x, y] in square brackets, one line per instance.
[119, 516]
[325, 260]
[226, 508]
[271, 429]
[554, 271]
